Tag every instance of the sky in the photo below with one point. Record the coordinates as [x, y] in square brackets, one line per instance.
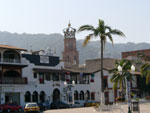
[51, 16]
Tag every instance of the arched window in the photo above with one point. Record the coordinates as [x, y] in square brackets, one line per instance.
[11, 73]
[81, 95]
[35, 96]
[27, 96]
[88, 95]
[42, 96]
[76, 95]
[11, 56]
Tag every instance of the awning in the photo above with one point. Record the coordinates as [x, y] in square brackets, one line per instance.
[47, 70]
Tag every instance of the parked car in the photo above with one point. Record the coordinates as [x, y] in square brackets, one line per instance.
[47, 105]
[31, 107]
[91, 103]
[58, 105]
[77, 104]
[10, 107]
[42, 106]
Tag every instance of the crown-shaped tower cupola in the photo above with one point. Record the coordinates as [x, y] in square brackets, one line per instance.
[69, 32]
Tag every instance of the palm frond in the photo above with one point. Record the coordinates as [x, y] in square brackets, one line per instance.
[86, 28]
[109, 36]
[147, 77]
[87, 39]
[117, 32]
[108, 27]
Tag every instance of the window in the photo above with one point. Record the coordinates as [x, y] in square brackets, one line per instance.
[74, 77]
[48, 76]
[35, 75]
[55, 76]
[62, 77]
[41, 78]
[84, 79]
[105, 83]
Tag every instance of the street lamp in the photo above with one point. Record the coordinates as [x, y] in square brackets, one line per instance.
[128, 86]
[66, 84]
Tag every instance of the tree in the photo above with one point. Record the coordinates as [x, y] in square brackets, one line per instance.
[119, 78]
[145, 72]
[103, 32]
[145, 68]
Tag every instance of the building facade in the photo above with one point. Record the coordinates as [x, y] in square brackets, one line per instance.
[12, 81]
[136, 53]
[39, 78]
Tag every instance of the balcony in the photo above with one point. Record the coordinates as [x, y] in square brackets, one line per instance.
[13, 80]
[11, 60]
[15, 62]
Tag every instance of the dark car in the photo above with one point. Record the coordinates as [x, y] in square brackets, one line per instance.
[58, 105]
[10, 107]
[42, 106]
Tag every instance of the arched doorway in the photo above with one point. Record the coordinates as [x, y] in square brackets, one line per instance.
[27, 96]
[88, 95]
[35, 96]
[56, 95]
[42, 96]
[81, 95]
[75, 95]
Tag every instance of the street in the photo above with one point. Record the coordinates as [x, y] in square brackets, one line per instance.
[144, 108]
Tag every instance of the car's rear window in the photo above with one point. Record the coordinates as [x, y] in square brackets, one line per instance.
[31, 105]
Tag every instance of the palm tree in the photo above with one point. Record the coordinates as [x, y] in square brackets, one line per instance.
[103, 32]
[145, 68]
[119, 78]
[145, 72]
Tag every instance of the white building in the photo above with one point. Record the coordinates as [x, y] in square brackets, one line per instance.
[39, 78]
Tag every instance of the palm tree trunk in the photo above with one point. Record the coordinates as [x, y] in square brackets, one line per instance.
[102, 81]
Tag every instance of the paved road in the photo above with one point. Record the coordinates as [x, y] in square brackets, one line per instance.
[144, 108]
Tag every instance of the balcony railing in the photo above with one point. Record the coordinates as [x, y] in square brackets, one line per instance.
[11, 60]
[13, 80]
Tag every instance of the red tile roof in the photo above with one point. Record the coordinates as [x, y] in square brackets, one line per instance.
[11, 47]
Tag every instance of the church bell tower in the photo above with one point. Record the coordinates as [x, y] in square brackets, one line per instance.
[70, 53]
